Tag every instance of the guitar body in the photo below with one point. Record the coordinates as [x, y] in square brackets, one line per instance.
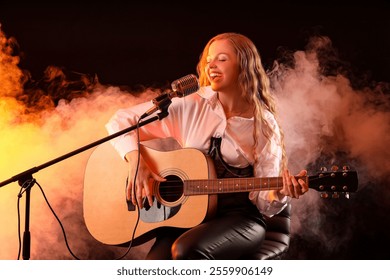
[106, 210]
[186, 199]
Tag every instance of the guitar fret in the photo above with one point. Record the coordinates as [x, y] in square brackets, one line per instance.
[198, 189]
[220, 185]
[229, 185]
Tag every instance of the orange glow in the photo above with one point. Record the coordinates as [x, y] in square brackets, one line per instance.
[31, 137]
[10, 74]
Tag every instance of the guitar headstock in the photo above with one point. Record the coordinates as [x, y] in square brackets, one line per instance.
[332, 183]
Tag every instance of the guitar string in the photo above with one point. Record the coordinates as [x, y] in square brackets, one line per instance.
[175, 187]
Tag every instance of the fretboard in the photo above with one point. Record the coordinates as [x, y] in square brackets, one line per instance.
[232, 185]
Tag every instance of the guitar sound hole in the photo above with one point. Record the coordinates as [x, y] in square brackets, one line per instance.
[172, 189]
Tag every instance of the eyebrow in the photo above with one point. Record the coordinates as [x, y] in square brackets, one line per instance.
[218, 54]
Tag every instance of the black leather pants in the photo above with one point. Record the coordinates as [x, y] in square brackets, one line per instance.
[232, 234]
[237, 230]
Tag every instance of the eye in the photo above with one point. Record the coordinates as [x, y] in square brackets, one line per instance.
[222, 58]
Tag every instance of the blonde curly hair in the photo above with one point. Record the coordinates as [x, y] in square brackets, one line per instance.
[254, 83]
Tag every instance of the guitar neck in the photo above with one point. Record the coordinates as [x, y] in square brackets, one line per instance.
[233, 185]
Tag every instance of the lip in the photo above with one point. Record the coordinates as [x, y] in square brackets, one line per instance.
[214, 75]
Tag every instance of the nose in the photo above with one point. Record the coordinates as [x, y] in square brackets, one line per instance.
[212, 64]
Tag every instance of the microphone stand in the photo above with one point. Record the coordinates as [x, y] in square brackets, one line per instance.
[26, 180]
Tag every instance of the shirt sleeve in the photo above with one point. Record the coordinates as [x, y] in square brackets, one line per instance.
[270, 202]
[124, 118]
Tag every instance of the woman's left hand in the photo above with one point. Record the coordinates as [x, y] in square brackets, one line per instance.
[292, 186]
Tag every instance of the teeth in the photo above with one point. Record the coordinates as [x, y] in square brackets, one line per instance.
[213, 75]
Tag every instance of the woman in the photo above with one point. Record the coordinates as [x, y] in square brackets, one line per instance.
[233, 119]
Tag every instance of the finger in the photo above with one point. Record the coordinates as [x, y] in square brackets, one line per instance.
[148, 193]
[296, 187]
[139, 195]
[133, 195]
[304, 186]
[283, 191]
[290, 184]
[302, 173]
[158, 177]
[289, 188]
[299, 190]
[129, 193]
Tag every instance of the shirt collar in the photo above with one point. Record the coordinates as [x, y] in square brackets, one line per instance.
[210, 95]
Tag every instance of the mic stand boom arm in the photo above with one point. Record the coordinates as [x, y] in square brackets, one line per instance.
[25, 178]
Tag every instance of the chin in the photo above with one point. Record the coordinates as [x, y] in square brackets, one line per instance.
[214, 87]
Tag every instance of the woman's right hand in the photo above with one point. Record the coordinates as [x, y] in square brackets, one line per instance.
[144, 182]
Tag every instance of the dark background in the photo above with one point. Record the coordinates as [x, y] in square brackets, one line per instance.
[151, 44]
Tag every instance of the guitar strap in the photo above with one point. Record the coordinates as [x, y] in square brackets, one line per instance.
[223, 169]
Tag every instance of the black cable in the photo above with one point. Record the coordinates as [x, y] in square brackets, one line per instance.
[62, 227]
[22, 190]
[33, 181]
[134, 193]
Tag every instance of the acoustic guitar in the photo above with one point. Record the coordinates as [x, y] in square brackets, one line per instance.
[186, 199]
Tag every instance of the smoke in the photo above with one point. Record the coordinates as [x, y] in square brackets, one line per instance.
[327, 118]
[323, 113]
[332, 118]
[41, 121]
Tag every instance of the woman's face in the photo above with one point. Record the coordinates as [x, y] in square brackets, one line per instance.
[222, 67]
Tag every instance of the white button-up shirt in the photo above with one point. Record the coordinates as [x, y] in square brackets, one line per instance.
[192, 121]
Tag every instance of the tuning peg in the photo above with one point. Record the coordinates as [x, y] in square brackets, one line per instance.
[335, 195]
[347, 195]
[334, 168]
[345, 170]
[324, 195]
[323, 169]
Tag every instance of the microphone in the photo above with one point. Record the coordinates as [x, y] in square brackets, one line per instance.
[180, 88]
[185, 86]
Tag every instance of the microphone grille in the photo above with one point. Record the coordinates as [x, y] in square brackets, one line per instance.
[186, 85]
